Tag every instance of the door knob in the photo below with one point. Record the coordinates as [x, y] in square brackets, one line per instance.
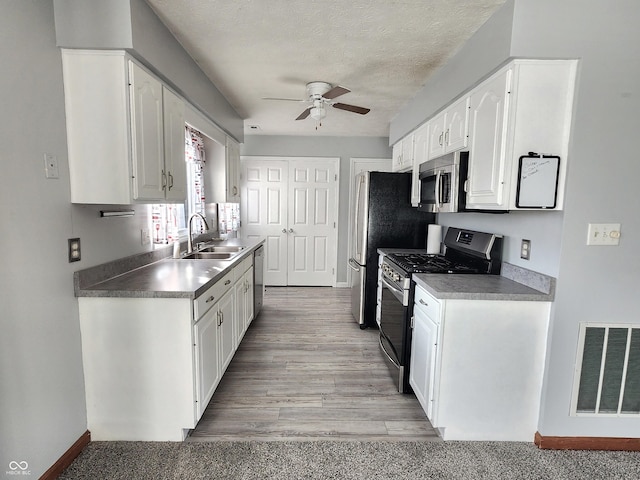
[291, 230]
[284, 230]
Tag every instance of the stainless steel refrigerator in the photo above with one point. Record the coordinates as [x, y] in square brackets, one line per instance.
[383, 218]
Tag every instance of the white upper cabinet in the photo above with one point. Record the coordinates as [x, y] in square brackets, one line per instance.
[524, 107]
[125, 131]
[403, 154]
[448, 131]
[420, 155]
[485, 179]
[232, 171]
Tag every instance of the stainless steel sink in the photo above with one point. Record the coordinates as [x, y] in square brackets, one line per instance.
[222, 248]
[209, 255]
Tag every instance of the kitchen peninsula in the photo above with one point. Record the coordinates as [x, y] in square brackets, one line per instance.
[157, 336]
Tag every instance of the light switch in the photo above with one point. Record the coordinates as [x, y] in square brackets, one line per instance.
[603, 234]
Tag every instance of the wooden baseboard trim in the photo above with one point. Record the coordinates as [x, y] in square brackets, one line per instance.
[67, 458]
[587, 443]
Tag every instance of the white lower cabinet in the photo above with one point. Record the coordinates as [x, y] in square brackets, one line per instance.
[206, 356]
[477, 366]
[244, 300]
[151, 365]
[225, 326]
[424, 343]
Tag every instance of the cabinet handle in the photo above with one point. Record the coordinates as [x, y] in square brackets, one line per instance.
[440, 139]
[218, 322]
[210, 299]
[423, 303]
[227, 282]
[221, 318]
[164, 180]
[235, 190]
[170, 180]
[446, 137]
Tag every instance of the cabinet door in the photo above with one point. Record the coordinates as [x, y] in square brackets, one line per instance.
[249, 298]
[487, 143]
[174, 161]
[396, 163]
[239, 317]
[147, 135]
[456, 126]
[436, 136]
[207, 362]
[407, 152]
[233, 171]
[420, 155]
[226, 307]
[423, 360]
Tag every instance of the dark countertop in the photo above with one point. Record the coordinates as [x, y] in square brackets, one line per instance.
[167, 277]
[513, 284]
[478, 287]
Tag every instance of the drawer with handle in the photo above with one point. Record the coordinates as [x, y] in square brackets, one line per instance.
[209, 298]
[428, 304]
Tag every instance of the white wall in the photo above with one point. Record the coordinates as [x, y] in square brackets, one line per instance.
[596, 284]
[42, 405]
[42, 400]
[343, 147]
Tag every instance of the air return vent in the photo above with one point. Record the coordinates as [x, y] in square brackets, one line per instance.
[608, 371]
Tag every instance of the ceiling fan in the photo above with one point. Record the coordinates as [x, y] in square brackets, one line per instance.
[319, 95]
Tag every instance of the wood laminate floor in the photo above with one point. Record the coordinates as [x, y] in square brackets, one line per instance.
[305, 371]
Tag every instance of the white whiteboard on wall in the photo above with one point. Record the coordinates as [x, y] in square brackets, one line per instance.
[537, 181]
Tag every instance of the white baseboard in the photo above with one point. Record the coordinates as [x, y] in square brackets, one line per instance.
[342, 285]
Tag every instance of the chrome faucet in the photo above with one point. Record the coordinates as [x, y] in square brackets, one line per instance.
[190, 232]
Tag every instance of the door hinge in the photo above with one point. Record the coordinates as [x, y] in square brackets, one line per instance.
[335, 177]
[333, 271]
[334, 224]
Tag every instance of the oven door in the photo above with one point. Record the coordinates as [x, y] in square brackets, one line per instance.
[393, 317]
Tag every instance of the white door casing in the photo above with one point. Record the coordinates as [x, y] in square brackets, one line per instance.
[292, 203]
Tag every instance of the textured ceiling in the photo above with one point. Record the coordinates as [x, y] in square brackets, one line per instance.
[382, 50]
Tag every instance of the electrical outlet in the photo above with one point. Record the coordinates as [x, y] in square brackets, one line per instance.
[603, 234]
[525, 249]
[74, 250]
[51, 166]
[144, 236]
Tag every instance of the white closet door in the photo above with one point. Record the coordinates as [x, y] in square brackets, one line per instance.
[263, 213]
[292, 203]
[312, 222]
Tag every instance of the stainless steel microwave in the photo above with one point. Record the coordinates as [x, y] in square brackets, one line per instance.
[442, 183]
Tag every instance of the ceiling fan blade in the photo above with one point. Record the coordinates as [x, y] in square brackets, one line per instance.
[284, 99]
[304, 114]
[352, 108]
[336, 92]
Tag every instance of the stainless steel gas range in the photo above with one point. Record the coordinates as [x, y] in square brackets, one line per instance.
[465, 252]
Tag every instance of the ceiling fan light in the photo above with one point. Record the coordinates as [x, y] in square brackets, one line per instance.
[318, 113]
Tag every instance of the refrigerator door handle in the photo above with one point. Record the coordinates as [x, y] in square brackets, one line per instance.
[356, 221]
[354, 265]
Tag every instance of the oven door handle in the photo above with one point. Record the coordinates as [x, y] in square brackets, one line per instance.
[399, 294]
[384, 350]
